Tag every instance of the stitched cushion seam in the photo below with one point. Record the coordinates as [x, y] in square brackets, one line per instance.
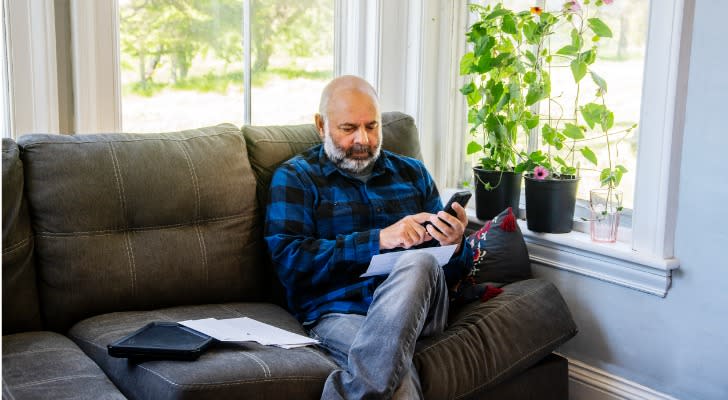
[223, 384]
[145, 228]
[16, 246]
[22, 353]
[60, 378]
[231, 132]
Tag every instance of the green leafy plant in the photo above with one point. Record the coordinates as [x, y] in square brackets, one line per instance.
[504, 84]
[510, 92]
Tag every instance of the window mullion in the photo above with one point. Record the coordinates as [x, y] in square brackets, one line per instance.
[247, 69]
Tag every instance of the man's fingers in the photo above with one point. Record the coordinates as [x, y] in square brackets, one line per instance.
[461, 214]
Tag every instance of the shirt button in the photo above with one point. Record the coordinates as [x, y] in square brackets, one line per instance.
[379, 209]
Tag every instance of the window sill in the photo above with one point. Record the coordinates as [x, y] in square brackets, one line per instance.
[615, 263]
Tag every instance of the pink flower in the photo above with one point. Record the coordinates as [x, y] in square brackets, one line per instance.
[608, 1]
[540, 173]
[572, 6]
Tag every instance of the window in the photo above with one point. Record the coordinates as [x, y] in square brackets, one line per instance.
[620, 62]
[644, 262]
[186, 63]
[410, 52]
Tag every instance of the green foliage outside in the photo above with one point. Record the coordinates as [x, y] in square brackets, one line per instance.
[164, 40]
[510, 90]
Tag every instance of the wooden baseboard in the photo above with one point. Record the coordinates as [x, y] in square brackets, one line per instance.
[590, 383]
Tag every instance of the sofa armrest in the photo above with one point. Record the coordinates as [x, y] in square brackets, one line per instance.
[489, 342]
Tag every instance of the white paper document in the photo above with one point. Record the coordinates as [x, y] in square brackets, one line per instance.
[382, 264]
[248, 330]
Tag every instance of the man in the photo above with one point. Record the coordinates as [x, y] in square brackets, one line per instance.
[334, 207]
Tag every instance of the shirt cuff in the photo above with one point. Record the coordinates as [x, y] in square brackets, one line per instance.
[366, 245]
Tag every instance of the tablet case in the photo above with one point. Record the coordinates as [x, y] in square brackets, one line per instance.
[162, 340]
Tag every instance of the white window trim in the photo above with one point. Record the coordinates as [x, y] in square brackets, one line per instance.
[645, 263]
[96, 69]
[443, 117]
[32, 69]
[357, 38]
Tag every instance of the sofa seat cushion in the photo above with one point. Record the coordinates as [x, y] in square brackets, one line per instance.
[230, 371]
[489, 342]
[46, 365]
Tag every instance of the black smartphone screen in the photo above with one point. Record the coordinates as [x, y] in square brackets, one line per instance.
[460, 198]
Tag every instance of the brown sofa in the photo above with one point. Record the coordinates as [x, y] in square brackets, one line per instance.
[105, 233]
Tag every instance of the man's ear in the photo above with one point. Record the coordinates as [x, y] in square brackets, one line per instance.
[319, 125]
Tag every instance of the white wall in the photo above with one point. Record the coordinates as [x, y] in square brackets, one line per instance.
[675, 345]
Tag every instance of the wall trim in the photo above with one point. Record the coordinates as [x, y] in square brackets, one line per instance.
[601, 384]
[610, 262]
[575, 252]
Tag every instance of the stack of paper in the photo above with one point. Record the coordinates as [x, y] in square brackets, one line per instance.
[248, 330]
[382, 264]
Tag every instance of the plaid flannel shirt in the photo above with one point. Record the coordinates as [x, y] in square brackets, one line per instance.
[322, 228]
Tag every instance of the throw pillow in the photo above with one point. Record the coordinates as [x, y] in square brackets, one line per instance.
[499, 256]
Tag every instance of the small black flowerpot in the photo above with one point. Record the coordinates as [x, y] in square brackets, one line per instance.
[550, 204]
[505, 192]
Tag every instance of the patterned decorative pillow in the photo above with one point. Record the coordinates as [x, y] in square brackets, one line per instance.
[500, 256]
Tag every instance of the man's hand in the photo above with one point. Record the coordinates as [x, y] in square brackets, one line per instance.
[405, 233]
[451, 228]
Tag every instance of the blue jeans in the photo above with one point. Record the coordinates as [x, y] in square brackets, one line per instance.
[375, 351]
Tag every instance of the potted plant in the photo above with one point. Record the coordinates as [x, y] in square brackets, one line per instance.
[552, 174]
[499, 96]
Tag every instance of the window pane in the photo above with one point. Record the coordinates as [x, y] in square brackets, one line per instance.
[293, 58]
[181, 64]
[620, 63]
[182, 61]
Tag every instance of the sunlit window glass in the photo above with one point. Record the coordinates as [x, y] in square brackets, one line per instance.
[182, 62]
[293, 58]
[621, 63]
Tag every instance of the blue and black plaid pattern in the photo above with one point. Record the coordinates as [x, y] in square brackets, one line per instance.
[322, 228]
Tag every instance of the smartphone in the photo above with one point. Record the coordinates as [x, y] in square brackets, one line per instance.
[461, 198]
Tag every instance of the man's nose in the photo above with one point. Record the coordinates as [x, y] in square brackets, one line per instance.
[361, 136]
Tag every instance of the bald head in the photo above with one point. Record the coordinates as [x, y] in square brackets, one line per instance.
[343, 86]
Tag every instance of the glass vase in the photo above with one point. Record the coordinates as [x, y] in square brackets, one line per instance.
[606, 206]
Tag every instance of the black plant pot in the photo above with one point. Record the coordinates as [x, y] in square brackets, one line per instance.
[506, 192]
[550, 204]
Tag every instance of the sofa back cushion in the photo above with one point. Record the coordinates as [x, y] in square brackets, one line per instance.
[20, 294]
[270, 146]
[125, 221]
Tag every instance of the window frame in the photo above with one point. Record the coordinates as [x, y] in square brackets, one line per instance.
[96, 69]
[32, 69]
[645, 260]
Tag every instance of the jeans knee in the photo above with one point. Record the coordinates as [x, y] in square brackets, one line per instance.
[420, 263]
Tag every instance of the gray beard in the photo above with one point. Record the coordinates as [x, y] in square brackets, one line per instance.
[339, 157]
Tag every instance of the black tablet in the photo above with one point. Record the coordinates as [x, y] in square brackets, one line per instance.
[161, 340]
